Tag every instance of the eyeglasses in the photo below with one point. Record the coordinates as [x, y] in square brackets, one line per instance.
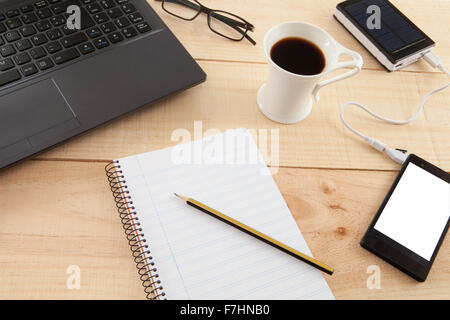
[223, 23]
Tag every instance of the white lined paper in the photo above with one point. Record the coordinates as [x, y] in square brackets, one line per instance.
[199, 257]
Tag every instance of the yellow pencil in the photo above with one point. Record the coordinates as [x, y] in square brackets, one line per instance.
[259, 235]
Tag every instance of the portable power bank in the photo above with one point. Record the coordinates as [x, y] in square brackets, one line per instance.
[393, 40]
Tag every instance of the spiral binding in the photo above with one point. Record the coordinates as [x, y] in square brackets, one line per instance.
[136, 239]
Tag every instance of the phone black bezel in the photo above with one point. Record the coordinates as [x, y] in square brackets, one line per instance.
[393, 57]
[390, 250]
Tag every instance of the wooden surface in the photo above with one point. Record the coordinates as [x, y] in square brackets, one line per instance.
[57, 209]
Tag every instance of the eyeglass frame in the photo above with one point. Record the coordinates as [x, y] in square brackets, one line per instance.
[236, 25]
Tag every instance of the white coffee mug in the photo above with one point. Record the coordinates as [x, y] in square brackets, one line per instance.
[287, 97]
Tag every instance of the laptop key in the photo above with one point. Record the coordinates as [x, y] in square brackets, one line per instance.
[45, 64]
[53, 47]
[29, 69]
[9, 76]
[58, 20]
[2, 42]
[129, 32]
[13, 23]
[143, 27]
[39, 39]
[26, 8]
[94, 8]
[107, 4]
[40, 4]
[100, 17]
[66, 56]
[6, 64]
[122, 22]
[128, 8]
[43, 25]
[12, 36]
[101, 43]
[108, 27]
[54, 34]
[12, 13]
[29, 18]
[7, 50]
[27, 31]
[73, 40]
[23, 45]
[135, 17]
[37, 53]
[94, 32]
[2, 27]
[86, 48]
[114, 13]
[44, 13]
[115, 37]
[68, 31]
[59, 8]
[22, 58]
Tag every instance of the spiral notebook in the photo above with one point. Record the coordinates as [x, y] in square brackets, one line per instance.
[182, 253]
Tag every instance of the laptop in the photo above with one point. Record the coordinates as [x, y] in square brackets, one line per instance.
[59, 80]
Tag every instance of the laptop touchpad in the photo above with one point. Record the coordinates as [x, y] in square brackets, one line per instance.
[38, 110]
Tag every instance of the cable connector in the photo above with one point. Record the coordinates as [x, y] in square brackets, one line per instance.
[376, 144]
[397, 155]
[432, 59]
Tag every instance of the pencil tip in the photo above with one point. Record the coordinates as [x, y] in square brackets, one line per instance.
[181, 197]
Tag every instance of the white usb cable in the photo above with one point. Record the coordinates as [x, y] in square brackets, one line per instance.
[397, 155]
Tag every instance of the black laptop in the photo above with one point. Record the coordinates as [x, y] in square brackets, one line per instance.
[59, 80]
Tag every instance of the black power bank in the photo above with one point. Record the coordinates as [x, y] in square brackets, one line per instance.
[393, 39]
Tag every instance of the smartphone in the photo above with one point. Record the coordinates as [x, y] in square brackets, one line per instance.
[413, 219]
[393, 39]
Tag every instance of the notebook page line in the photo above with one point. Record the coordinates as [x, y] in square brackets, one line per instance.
[282, 279]
[223, 261]
[275, 269]
[176, 206]
[261, 258]
[230, 233]
[165, 235]
[194, 227]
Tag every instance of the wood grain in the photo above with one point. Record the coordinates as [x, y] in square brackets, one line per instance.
[57, 211]
[228, 100]
[60, 213]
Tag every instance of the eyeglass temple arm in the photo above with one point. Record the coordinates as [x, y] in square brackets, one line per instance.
[224, 19]
[235, 27]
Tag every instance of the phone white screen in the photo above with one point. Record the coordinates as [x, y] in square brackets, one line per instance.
[417, 211]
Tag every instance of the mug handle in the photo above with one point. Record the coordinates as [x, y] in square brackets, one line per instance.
[356, 66]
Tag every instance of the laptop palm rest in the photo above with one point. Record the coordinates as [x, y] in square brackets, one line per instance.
[42, 113]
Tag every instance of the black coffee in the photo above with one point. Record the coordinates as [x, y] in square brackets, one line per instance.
[298, 55]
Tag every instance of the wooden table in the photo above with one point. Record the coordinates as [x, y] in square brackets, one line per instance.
[56, 210]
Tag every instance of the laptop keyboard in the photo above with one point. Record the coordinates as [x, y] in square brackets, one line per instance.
[35, 38]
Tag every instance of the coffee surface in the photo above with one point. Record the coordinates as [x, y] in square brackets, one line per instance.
[299, 56]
